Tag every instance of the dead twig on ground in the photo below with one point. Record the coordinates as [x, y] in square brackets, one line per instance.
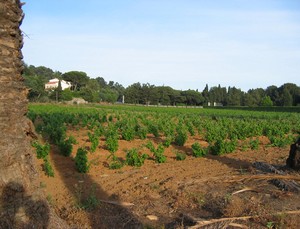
[124, 204]
[203, 223]
[261, 177]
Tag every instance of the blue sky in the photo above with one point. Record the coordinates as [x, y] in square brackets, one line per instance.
[184, 44]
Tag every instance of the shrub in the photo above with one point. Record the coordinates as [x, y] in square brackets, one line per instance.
[134, 158]
[159, 156]
[198, 151]
[66, 147]
[128, 133]
[222, 147]
[254, 144]
[191, 129]
[116, 163]
[48, 168]
[154, 130]
[112, 144]
[141, 131]
[94, 139]
[168, 141]
[281, 141]
[81, 160]
[41, 150]
[150, 146]
[181, 136]
[104, 118]
[158, 153]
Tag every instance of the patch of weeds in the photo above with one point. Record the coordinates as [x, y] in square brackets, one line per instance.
[88, 203]
[270, 225]
[50, 200]
[180, 155]
[198, 198]
[154, 186]
[91, 202]
[48, 168]
[227, 198]
[116, 164]
[42, 185]
[95, 161]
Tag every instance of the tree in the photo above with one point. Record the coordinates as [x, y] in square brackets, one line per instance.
[36, 86]
[290, 94]
[234, 96]
[192, 97]
[133, 93]
[273, 93]
[93, 85]
[253, 97]
[148, 94]
[287, 99]
[108, 95]
[77, 78]
[18, 175]
[89, 95]
[205, 94]
[66, 95]
[217, 94]
[101, 82]
[41, 71]
[266, 101]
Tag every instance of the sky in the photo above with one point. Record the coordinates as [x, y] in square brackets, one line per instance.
[184, 44]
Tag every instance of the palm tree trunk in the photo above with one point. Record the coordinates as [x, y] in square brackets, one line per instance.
[21, 204]
[16, 159]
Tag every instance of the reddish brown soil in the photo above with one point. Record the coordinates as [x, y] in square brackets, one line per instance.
[196, 187]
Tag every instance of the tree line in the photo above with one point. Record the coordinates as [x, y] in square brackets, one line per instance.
[99, 90]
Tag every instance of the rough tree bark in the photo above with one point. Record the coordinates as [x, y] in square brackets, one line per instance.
[21, 204]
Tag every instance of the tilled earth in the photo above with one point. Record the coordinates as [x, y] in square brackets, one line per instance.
[175, 194]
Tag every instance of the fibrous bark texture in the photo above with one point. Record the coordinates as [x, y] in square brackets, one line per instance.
[21, 205]
[15, 164]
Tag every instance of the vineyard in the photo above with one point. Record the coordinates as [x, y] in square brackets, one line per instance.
[115, 143]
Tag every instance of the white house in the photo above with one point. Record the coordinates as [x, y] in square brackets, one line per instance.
[53, 83]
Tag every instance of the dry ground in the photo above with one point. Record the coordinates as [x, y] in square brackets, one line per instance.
[170, 195]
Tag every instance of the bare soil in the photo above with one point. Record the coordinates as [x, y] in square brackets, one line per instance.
[174, 194]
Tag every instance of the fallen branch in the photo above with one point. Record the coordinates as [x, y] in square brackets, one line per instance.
[244, 190]
[124, 204]
[262, 177]
[202, 223]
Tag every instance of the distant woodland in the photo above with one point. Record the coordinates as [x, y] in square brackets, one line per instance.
[99, 90]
